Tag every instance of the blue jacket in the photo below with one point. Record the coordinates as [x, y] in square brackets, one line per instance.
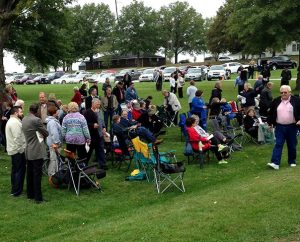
[197, 105]
[54, 130]
[131, 94]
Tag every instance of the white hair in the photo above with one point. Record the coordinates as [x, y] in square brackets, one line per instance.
[285, 87]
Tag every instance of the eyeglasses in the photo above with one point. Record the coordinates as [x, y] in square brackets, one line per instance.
[283, 92]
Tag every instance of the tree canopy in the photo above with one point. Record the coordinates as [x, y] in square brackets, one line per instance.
[181, 29]
[137, 30]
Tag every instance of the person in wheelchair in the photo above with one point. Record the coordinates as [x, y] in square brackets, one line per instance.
[202, 141]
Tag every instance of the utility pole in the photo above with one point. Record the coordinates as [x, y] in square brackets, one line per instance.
[117, 10]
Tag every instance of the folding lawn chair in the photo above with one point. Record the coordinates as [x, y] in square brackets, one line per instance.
[145, 159]
[167, 117]
[80, 173]
[181, 124]
[167, 174]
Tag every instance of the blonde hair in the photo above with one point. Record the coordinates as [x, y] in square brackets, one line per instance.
[73, 107]
[20, 103]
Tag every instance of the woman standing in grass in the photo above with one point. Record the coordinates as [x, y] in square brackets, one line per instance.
[75, 131]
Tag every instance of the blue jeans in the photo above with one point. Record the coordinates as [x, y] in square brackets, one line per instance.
[284, 133]
[146, 134]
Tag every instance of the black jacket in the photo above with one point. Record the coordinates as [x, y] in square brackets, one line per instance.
[295, 101]
[216, 92]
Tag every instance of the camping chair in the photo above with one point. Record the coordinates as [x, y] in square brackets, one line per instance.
[122, 152]
[80, 172]
[145, 159]
[167, 174]
[181, 124]
[167, 117]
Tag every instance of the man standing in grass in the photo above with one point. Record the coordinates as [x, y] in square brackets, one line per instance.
[16, 149]
[35, 133]
[285, 116]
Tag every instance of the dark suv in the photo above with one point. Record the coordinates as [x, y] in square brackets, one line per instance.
[51, 76]
[277, 62]
[132, 72]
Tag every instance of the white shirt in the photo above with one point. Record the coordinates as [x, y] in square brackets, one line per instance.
[15, 139]
[190, 92]
[172, 82]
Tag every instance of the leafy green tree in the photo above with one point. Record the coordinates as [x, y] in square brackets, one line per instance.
[261, 24]
[35, 34]
[182, 29]
[93, 28]
[218, 38]
[137, 31]
[9, 11]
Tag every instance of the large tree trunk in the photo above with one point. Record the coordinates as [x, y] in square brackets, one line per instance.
[7, 16]
[176, 56]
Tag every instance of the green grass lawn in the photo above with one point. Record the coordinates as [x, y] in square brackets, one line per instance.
[240, 201]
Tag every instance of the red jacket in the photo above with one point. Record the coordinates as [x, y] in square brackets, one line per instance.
[136, 113]
[77, 98]
[194, 139]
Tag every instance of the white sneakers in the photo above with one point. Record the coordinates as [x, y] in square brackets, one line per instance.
[222, 162]
[273, 165]
[276, 167]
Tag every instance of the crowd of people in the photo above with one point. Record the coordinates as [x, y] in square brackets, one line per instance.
[91, 117]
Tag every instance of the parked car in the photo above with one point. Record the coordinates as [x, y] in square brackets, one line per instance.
[25, 78]
[277, 62]
[195, 73]
[147, 75]
[168, 71]
[51, 76]
[10, 79]
[16, 78]
[184, 69]
[100, 78]
[217, 72]
[232, 67]
[132, 72]
[78, 78]
[225, 58]
[36, 79]
[184, 61]
[64, 79]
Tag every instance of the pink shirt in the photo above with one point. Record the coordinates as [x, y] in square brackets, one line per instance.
[285, 113]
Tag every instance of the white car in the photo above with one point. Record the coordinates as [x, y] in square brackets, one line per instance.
[216, 72]
[9, 79]
[168, 72]
[100, 78]
[78, 78]
[147, 75]
[225, 58]
[64, 79]
[233, 66]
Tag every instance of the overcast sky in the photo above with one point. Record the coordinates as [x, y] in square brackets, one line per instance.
[207, 8]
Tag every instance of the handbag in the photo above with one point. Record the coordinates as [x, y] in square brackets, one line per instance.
[170, 168]
[188, 150]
